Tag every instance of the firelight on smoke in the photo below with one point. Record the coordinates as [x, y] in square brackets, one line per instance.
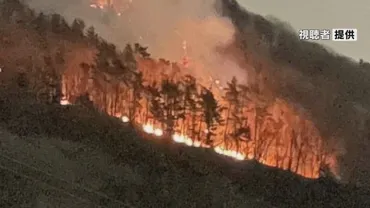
[118, 6]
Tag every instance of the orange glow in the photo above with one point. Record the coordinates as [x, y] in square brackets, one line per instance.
[149, 129]
[231, 153]
[117, 5]
[64, 102]
[158, 132]
[125, 119]
[284, 140]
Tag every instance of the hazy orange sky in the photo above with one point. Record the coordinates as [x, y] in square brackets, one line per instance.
[316, 14]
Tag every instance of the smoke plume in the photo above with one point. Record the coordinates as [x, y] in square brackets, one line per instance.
[163, 26]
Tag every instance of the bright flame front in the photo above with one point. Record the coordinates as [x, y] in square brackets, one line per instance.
[65, 102]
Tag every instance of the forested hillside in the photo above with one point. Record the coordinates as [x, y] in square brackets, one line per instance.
[62, 61]
[47, 62]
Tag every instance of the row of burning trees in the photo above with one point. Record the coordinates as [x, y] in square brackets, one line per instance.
[156, 95]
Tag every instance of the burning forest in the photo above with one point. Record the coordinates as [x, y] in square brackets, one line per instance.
[159, 98]
[171, 100]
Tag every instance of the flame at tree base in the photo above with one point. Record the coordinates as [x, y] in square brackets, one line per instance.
[183, 139]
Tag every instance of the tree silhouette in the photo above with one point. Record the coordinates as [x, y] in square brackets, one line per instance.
[56, 23]
[211, 114]
[91, 35]
[190, 106]
[129, 58]
[151, 94]
[171, 104]
[9, 7]
[141, 51]
[232, 97]
[137, 87]
[243, 133]
[41, 23]
[269, 133]
[77, 27]
[260, 113]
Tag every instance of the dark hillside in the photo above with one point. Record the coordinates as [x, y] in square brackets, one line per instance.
[173, 174]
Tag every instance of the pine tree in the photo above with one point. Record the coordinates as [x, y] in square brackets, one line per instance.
[78, 27]
[232, 98]
[211, 114]
[91, 35]
[137, 88]
[171, 104]
[41, 23]
[129, 58]
[55, 23]
[191, 105]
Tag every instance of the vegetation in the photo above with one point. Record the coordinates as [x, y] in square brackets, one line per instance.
[59, 61]
[75, 63]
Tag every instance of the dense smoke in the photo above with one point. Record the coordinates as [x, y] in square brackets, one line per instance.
[330, 89]
[163, 26]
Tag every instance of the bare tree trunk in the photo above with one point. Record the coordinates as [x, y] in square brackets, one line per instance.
[227, 124]
[255, 135]
[277, 152]
[299, 155]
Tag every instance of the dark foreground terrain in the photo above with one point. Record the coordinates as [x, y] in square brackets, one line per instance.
[72, 156]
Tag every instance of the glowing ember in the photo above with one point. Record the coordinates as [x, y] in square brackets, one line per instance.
[231, 153]
[148, 128]
[197, 143]
[178, 138]
[64, 102]
[158, 132]
[189, 142]
[125, 119]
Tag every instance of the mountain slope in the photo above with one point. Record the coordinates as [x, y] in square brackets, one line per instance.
[112, 160]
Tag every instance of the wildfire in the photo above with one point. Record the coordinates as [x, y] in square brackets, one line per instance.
[178, 138]
[64, 101]
[269, 139]
[231, 153]
[150, 129]
[183, 139]
[125, 119]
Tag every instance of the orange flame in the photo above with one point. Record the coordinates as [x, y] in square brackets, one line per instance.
[292, 148]
[64, 102]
